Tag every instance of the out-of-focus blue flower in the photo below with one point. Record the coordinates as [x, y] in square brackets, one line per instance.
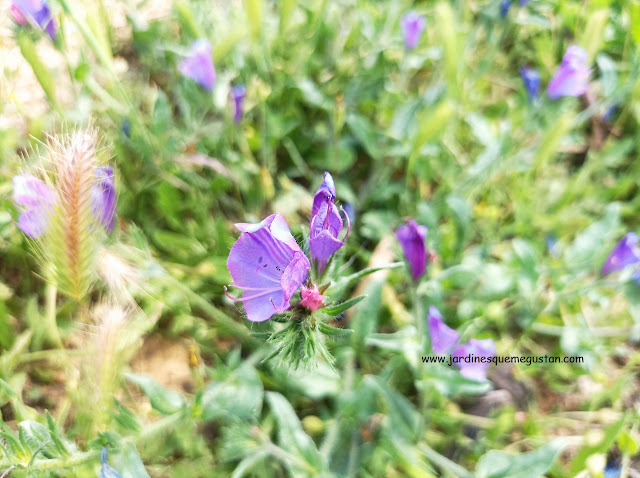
[413, 24]
[505, 5]
[531, 80]
[552, 245]
[106, 471]
[523, 3]
[442, 336]
[326, 224]
[572, 76]
[470, 355]
[610, 113]
[412, 237]
[125, 127]
[267, 263]
[198, 65]
[624, 254]
[238, 94]
[35, 13]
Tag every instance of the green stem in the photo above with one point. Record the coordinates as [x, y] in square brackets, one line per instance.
[50, 315]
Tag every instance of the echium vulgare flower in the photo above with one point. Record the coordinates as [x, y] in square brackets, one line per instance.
[572, 76]
[238, 94]
[34, 12]
[66, 213]
[198, 65]
[326, 224]
[267, 263]
[444, 338]
[626, 253]
[412, 237]
[413, 24]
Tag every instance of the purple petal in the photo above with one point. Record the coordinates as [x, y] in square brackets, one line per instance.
[412, 25]
[572, 76]
[199, 64]
[269, 265]
[412, 237]
[238, 94]
[475, 349]
[36, 12]
[531, 80]
[36, 200]
[325, 192]
[624, 254]
[442, 336]
[104, 197]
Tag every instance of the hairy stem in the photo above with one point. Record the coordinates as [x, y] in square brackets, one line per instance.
[50, 315]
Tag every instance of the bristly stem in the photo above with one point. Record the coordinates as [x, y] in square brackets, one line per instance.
[53, 335]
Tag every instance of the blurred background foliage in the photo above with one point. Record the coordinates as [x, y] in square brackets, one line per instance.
[523, 201]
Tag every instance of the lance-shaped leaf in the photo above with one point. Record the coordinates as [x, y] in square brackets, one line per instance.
[337, 309]
[162, 399]
[328, 330]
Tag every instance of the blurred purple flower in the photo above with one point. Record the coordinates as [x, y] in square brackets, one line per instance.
[36, 200]
[238, 94]
[523, 3]
[413, 24]
[442, 337]
[198, 65]
[572, 76]
[36, 13]
[471, 354]
[326, 224]
[531, 80]
[267, 263]
[103, 196]
[625, 253]
[412, 237]
[505, 5]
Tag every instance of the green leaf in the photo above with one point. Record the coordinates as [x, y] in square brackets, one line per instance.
[335, 331]
[162, 399]
[498, 464]
[240, 396]
[448, 381]
[43, 76]
[337, 309]
[128, 463]
[346, 281]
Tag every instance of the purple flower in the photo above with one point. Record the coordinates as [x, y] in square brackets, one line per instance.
[412, 237]
[326, 224]
[198, 65]
[531, 80]
[625, 253]
[103, 196]
[36, 200]
[505, 5]
[471, 355]
[268, 264]
[442, 336]
[413, 24]
[36, 13]
[572, 76]
[238, 94]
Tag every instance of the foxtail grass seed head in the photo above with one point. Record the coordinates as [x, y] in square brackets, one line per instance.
[198, 64]
[68, 213]
[35, 13]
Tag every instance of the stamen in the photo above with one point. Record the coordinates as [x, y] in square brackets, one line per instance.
[239, 299]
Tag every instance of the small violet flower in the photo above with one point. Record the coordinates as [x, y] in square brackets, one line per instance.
[471, 354]
[238, 94]
[413, 24]
[625, 253]
[505, 5]
[443, 337]
[531, 80]
[311, 297]
[326, 224]
[267, 263]
[572, 76]
[104, 197]
[34, 12]
[36, 200]
[106, 471]
[198, 65]
[412, 237]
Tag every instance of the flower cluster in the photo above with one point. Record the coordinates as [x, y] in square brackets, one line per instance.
[35, 13]
[444, 338]
[269, 266]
